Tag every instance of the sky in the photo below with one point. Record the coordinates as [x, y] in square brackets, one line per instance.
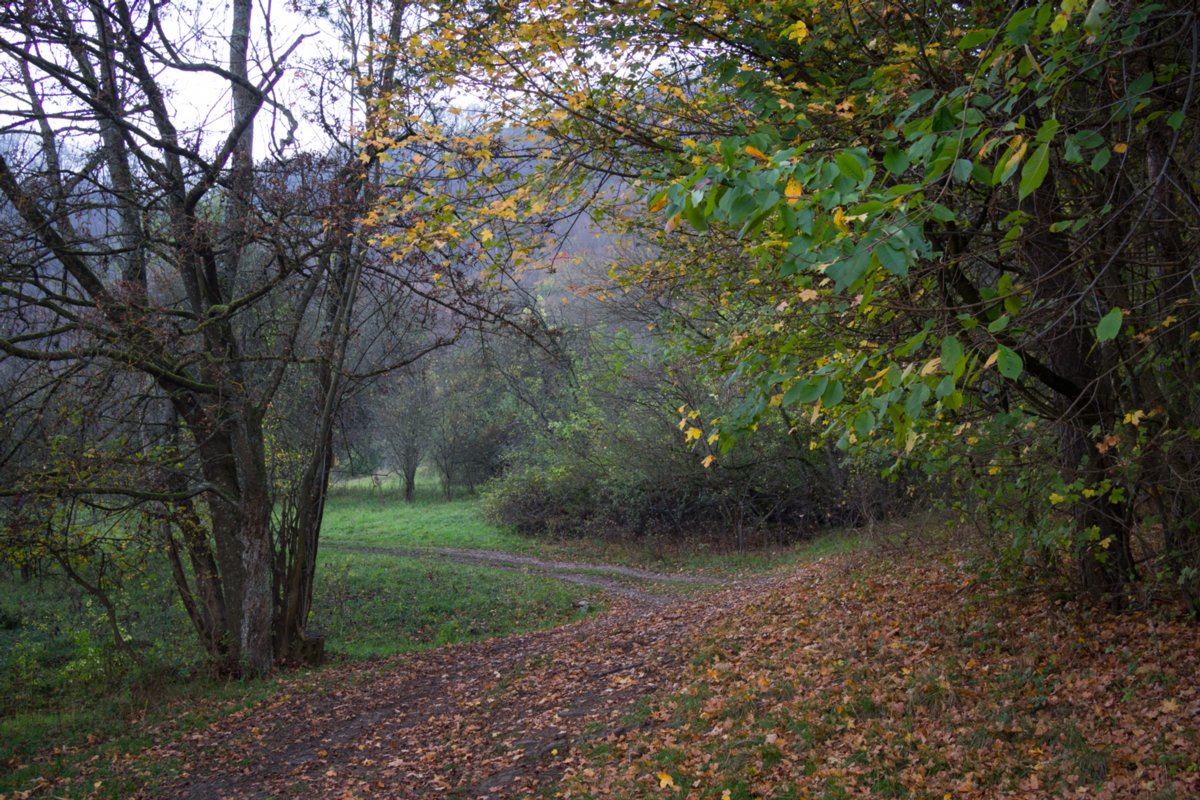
[202, 100]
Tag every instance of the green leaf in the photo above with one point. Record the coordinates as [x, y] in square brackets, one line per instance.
[912, 406]
[1088, 138]
[892, 260]
[976, 38]
[998, 324]
[941, 213]
[895, 160]
[1009, 363]
[864, 423]
[833, 395]
[695, 216]
[922, 147]
[962, 170]
[1034, 171]
[1101, 159]
[1109, 326]
[1046, 132]
[1094, 20]
[846, 271]
[951, 353]
[849, 166]
[806, 392]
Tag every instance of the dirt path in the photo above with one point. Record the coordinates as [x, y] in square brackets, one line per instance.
[609, 577]
[488, 719]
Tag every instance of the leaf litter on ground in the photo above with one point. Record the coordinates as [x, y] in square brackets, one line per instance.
[872, 674]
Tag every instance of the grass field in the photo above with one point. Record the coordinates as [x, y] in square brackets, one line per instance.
[359, 513]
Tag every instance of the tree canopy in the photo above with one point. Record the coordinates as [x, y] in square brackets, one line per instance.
[965, 233]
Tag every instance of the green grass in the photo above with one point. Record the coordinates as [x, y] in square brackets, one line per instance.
[368, 604]
[67, 695]
[357, 513]
[82, 742]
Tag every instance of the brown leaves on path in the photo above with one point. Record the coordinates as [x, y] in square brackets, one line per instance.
[487, 719]
[870, 675]
[904, 677]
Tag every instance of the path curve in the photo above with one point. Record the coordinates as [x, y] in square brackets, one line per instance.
[601, 576]
[493, 719]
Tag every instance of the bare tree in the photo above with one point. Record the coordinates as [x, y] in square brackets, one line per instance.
[148, 243]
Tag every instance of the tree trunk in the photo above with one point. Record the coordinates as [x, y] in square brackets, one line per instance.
[410, 484]
[1102, 534]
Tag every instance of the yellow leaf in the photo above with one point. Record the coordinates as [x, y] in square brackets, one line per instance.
[713, 438]
[693, 434]
[839, 220]
[708, 460]
[991, 359]
[793, 191]
[485, 235]
[726, 795]
[931, 366]
[797, 32]
[751, 150]
[1120, 147]
[1017, 147]
[1056, 498]
[665, 781]
[808, 295]
[1134, 418]
[658, 205]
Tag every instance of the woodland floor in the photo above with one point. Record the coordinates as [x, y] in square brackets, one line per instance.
[488, 719]
[883, 673]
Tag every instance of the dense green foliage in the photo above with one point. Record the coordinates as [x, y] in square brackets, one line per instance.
[964, 234]
[612, 462]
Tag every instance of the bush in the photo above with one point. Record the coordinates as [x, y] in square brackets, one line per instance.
[641, 481]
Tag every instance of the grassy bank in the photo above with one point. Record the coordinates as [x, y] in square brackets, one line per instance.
[70, 702]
